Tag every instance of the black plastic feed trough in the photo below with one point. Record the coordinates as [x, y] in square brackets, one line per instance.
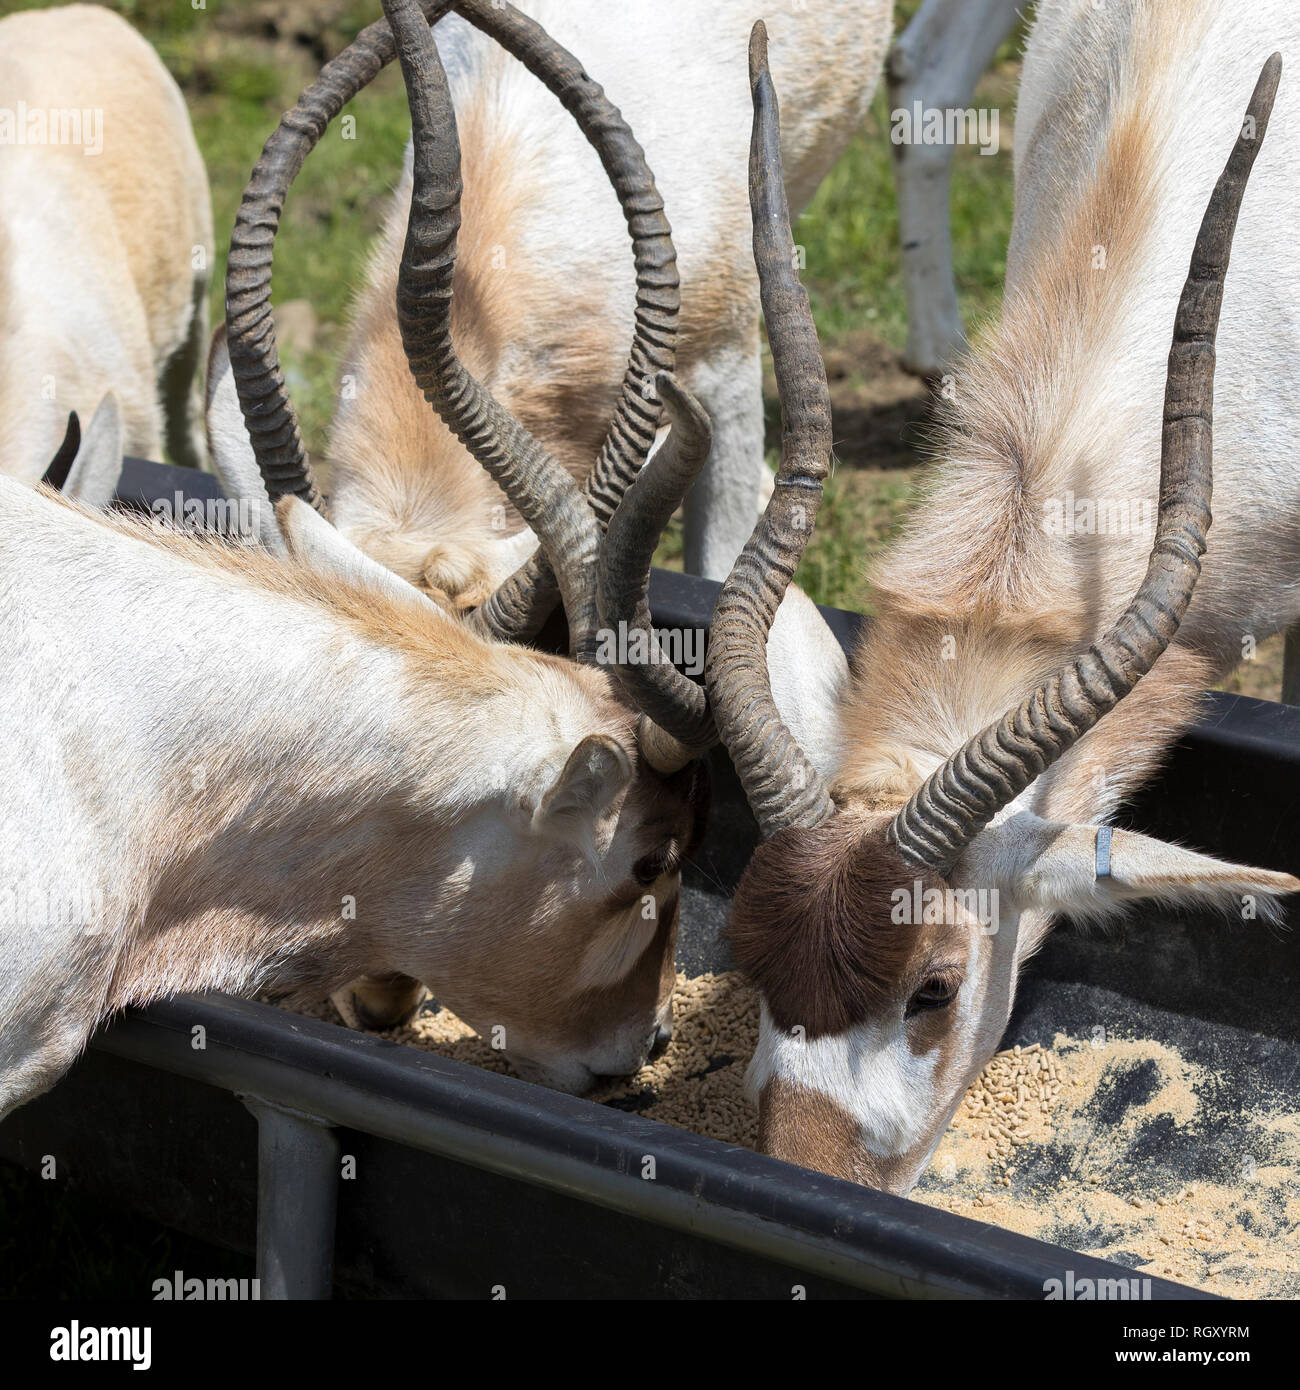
[471, 1184]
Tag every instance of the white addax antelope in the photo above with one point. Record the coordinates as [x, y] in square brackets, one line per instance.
[545, 290]
[229, 770]
[105, 245]
[280, 766]
[1059, 661]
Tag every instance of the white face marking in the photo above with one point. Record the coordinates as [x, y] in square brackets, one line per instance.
[972, 985]
[871, 1072]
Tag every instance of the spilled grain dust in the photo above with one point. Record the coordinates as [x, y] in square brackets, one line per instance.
[1061, 1142]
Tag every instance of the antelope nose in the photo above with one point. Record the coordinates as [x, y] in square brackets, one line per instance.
[663, 1036]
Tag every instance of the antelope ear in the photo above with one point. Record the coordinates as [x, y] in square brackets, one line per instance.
[1070, 868]
[809, 673]
[311, 540]
[504, 557]
[229, 447]
[596, 771]
[95, 471]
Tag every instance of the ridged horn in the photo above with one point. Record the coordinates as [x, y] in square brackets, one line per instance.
[521, 604]
[994, 767]
[676, 725]
[535, 481]
[255, 363]
[783, 787]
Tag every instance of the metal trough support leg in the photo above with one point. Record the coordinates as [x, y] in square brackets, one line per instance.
[1291, 668]
[297, 1193]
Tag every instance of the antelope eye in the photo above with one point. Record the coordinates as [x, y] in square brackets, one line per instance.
[937, 992]
[652, 867]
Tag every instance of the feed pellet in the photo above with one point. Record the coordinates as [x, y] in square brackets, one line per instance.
[1025, 1150]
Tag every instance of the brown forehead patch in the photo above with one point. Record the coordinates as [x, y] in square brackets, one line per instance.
[680, 809]
[811, 924]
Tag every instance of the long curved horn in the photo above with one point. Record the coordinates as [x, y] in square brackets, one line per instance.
[524, 600]
[783, 787]
[676, 724]
[536, 482]
[263, 398]
[962, 796]
[521, 604]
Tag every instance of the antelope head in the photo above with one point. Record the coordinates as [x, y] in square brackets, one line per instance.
[586, 868]
[884, 933]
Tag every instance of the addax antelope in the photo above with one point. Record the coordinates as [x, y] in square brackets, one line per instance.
[282, 767]
[1027, 668]
[105, 249]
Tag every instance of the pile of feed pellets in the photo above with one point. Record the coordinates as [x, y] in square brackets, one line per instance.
[1031, 1148]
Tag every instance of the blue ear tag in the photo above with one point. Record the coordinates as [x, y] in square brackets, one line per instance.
[1103, 851]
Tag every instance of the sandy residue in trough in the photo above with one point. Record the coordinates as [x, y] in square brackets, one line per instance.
[1074, 1181]
[1068, 1143]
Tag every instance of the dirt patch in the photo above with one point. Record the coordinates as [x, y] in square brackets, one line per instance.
[1262, 676]
[315, 29]
[879, 411]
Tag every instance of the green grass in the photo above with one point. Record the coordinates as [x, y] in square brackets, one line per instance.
[860, 512]
[850, 230]
[850, 237]
[335, 206]
[330, 220]
[861, 509]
